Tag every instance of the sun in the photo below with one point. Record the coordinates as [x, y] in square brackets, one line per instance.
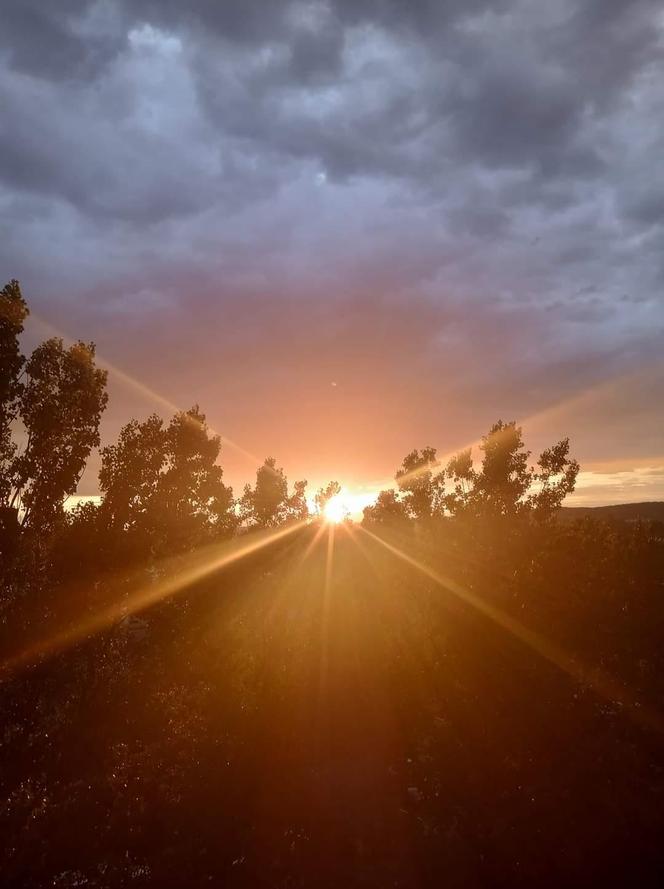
[335, 510]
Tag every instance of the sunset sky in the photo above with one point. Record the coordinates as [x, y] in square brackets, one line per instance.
[353, 228]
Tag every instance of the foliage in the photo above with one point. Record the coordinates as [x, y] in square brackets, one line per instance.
[503, 487]
[324, 495]
[421, 490]
[268, 503]
[387, 510]
[13, 312]
[297, 502]
[162, 488]
[60, 406]
[268, 729]
[130, 471]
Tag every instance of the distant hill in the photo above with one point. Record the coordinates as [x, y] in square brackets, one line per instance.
[652, 510]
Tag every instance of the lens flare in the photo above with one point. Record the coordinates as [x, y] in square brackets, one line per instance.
[335, 510]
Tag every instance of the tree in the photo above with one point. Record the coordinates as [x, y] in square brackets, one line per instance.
[60, 405]
[192, 497]
[324, 495]
[297, 502]
[500, 488]
[13, 312]
[387, 510]
[460, 469]
[162, 486]
[129, 474]
[268, 504]
[555, 480]
[420, 493]
[421, 490]
[264, 506]
[81, 547]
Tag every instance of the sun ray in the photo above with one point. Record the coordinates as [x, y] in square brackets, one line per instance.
[591, 677]
[323, 665]
[584, 398]
[280, 598]
[180, 573]
[142, 389]
[325, 619]
[313, 543]
[420, 680]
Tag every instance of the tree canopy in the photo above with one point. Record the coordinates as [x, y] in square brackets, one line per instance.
[60, 406]
[504, 485]
[268, 503]
[162, 486]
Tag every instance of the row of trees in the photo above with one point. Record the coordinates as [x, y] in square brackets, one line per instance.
[503, 486]
[162, 489]
[161, 486]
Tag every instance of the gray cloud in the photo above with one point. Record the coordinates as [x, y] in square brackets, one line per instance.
[53, 42]
[497, 162]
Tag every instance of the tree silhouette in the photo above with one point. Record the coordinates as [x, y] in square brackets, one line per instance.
[191, 495]
[500, 488]
[421, 490]
[503, 487]
[265, 505]
[324, 495]
[555, 480]
[129, 474]
[268, 504]
[13, 312]
[297, 502]
[162, 486]
[60, 406]
[388, 509]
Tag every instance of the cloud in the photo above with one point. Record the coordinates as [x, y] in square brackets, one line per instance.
[482, 174]
[67, 42]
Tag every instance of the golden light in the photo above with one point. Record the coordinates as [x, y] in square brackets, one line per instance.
[588, 676]
[335, 510]
[132, 594]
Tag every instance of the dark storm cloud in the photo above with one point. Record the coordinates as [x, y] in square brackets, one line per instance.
[494, 164]
[503, 85]
[49, 39]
